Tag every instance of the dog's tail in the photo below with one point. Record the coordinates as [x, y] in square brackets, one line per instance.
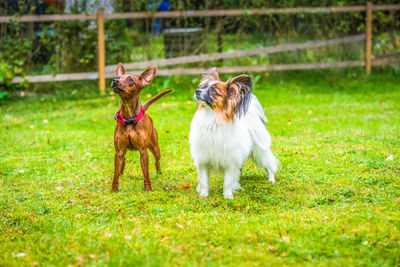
[155, 98]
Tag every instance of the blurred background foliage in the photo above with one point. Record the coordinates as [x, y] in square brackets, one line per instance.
[71, 46]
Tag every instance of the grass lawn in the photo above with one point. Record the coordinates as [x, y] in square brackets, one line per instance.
[336, 200]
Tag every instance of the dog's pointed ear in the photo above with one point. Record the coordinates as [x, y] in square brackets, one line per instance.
[213, 74]
[239, 93]
[148, 75]
[120, 70]
[240, 85]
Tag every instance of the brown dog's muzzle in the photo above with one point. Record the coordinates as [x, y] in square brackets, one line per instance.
[115, 85]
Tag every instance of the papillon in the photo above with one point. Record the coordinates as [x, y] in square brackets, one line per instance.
[227, 128]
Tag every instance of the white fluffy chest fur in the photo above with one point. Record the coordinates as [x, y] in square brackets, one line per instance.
[220, 145]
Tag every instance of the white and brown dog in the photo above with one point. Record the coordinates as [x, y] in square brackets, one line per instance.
[227, 128]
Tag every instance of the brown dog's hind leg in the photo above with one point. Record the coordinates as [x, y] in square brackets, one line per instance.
[123, 166]
[144, 162]
[155, 150]
[119, 163]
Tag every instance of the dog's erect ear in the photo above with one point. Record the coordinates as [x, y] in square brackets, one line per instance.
[148, 75]
[212, 75]
[120, 70]
[239, 93]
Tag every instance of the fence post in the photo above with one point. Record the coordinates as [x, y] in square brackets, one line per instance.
[368, 38]
[101, 50]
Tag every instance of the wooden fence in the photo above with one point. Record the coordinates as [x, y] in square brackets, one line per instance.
[108, 71]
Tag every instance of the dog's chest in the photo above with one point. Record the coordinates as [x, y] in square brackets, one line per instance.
[131, 137]
[217, 142]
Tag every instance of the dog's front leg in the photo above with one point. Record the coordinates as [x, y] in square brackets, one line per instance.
[202, 177]
[144, 162]
[119, 162]
[231, 182]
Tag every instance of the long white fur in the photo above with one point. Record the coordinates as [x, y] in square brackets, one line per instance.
[222, 147]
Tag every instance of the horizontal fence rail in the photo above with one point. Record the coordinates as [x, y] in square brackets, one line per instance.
[192, 59]
[197, 13]
[196, 71]
[242, 53]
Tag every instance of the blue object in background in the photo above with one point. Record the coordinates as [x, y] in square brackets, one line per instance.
[162, 6]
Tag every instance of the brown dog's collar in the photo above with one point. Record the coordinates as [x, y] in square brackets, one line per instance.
[122, 121]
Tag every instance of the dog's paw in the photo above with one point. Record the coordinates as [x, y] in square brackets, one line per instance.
[228, 194]
[114, 189]
[203, 192]
[236, 187]
[271, 177]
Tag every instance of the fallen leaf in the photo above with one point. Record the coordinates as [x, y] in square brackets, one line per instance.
[21, 171]
[141, 208]
[59, 188]
[378, 209]
[179, 248]
[10, 230]
[283, 254]
[20, 232]
[128, 237]
[179, 226]
[271, 247]
[80, 260]
[286, 239]
[92, 256]
[45, 121]
[187, 186]
[380, 101]
[60, 167]
[389, 158]
[289, 122]
[20, 255]
[148, 95]
[331, 200]
[108, 255]
[165, 238]
[34, 263]
[72, 200]
[107, 234]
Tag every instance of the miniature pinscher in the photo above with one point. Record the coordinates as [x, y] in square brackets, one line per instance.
[134, 129]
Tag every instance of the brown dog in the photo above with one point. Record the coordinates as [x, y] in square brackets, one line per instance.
[134, 129]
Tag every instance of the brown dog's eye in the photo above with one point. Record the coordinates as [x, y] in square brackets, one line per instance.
[130, 80]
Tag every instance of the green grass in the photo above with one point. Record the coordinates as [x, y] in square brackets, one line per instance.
[336, 200]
